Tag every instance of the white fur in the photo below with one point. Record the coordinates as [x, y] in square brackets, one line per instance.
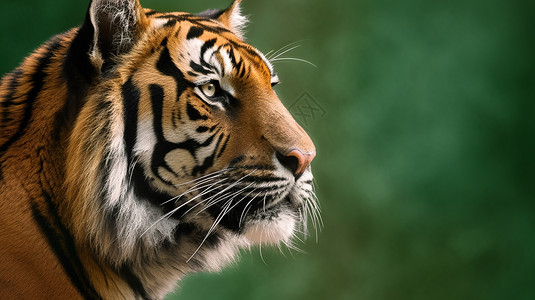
[204, 152]
[271, 232]
[226, 253]
[238, 21]
[157, 23]
[145, 139]
[116, 186]
[121, 13]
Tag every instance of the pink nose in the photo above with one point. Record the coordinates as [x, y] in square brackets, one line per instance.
[303, 160]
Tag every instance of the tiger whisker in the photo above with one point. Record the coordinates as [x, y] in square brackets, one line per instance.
[315, 202]
[216, 222]
[264, 203]
[218, 173]
[194, 189]
[290, 245]
[225, 196]
[274, 53]
[294, 59]
[268, 53]
[204, 192]
[227, 208]
[226, 189]
[260, 249]
[280, 250]
[306, 214]
[174, 210]
[246, 210]
[284, 52]
[315, 223]
[314, 218]
[304, 222]
[131, 170]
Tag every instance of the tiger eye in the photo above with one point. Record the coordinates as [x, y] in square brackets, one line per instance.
[209, 90]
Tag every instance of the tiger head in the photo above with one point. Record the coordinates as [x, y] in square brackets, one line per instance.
[182, 152]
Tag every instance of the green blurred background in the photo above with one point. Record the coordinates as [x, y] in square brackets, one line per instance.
[424, 125]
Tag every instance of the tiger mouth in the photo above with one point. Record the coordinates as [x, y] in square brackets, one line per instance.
[255, 204]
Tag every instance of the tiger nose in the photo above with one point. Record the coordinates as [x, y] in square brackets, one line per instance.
[296, 161]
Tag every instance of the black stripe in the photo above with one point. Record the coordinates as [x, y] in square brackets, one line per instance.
[242, 71]
[194, 114]
[143, 190]
[150, 13]
[222, 150]
[208, 161]
[162, 146]
[197, 21]
[37, 80]
[134, 282]
[238, 65]
[257, 167]
[265, 179]
[167, 67]
[237, 160]
[78, 70]
[245, 47]
[199, 68]
[8, 100]
[170, 23]
[207, 45]
[164, 42]
[63, 246]
[131, 96]
[194, 32]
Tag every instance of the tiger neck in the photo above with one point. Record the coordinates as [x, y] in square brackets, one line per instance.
[39, 102]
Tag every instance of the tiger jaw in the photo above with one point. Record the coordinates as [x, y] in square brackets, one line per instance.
[264, 212]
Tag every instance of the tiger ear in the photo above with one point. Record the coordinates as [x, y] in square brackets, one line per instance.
[117, 25]
[233, 19]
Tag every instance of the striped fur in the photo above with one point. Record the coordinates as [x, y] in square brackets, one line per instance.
[138, 148]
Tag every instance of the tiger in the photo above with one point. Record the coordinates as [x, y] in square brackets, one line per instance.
[140, 147]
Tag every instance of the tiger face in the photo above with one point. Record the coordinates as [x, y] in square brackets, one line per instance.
[182, 152]
[226, 147]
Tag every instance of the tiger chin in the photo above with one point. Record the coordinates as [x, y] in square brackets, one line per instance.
[140, 147]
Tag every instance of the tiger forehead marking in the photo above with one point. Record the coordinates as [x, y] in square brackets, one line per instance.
[146, 146]
[211, 56]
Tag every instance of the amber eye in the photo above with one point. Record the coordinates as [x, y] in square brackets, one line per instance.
[212, 93]
[209, 89]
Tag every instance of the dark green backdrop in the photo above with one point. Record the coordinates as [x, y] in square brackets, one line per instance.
[423, 116]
